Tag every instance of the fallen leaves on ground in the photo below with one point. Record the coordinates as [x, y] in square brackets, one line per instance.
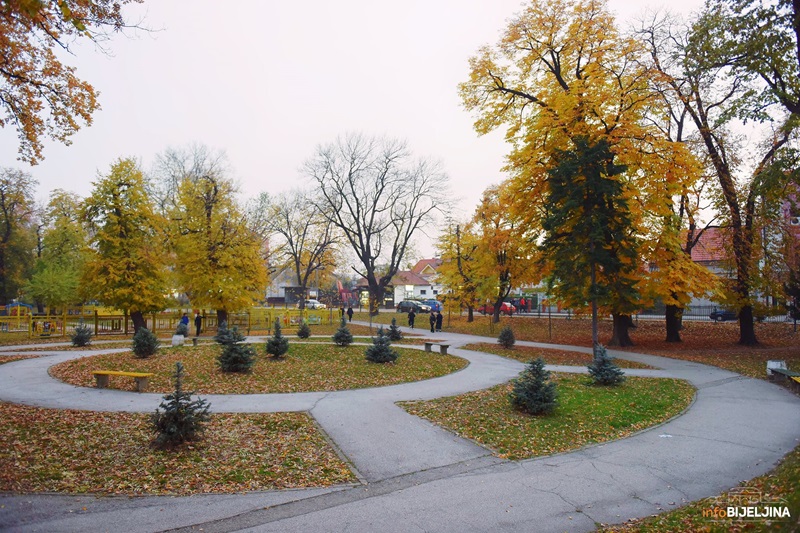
[48, 450]
[551, 357]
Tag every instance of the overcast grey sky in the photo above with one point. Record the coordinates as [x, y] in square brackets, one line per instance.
[268, 81]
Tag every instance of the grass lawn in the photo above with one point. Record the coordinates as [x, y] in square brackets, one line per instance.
[48, 450]
[551, 357]
[306, 367]
[586, 414]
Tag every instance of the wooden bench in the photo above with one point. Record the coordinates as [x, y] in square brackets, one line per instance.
[442, 347]
[782, 375]
[141, 378]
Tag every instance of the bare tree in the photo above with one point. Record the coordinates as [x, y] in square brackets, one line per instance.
[306, 237]
[378, 196]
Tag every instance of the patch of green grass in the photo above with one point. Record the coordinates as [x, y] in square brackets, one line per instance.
[306, 367]
[782, 486]
[551, 357]
[586, 414]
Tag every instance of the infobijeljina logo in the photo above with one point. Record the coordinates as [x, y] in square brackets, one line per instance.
[747, 504]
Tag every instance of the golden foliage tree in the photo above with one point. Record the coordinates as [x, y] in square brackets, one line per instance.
[458, 247]
[127, 266]
[561, 75]
[39, 95]
[17, 236]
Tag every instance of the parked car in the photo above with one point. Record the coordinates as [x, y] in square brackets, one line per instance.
[406, 305]
[505, 308]
[314, 304]
[435, 305]
[721, 315]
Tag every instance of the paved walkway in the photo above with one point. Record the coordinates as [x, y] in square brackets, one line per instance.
[418, 477]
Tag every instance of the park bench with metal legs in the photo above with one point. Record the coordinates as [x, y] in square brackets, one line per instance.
[141, 378]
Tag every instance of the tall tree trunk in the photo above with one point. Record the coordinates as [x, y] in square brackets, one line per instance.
[747, 328]
[470, 314]
[222, 317]
[138, 321]
[674, 318]
[620, 336]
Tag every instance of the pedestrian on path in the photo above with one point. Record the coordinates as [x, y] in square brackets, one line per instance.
[349, 313]
[433, 322]
[198, 321]
[411, 316]
[439, 319]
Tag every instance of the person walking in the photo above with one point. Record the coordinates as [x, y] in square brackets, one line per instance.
[411, 316]
[433, 322]
[198, 321]
[185, 320]
[349, 313]
[439, 319]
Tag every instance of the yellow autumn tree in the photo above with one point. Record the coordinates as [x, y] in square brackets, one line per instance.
[219, 260]
[560, 79]
[127, 266]
[458, 248]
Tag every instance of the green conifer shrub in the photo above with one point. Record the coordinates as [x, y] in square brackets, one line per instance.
[82, 335]
[343, 337]
[381, 350]
[532, 391]
[182, 329]
[603, 370]
[235, 357]
[145, 343]
[277, 345]
[506, 338]
[304, 331]
[394, 333]
[179, 419]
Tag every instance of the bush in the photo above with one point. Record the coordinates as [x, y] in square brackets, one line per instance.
[381, 349]
[532, 392]
[506, 338]
[343, 337]
[278, 345]
[235, 357]
[82, 335]
[182, 419]
[182, 329]
[145, 343]
[603, 370]
[394, 332]
[304, 331]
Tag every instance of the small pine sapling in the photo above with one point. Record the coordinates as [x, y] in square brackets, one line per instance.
[179, 419]
[304, 331]
[343, 337]
[603, 370]
[182, 329]
[145, 343]
[82, 335]
[277, 345]
[394, 333]
[532, 391]
[381, 350]
[506, 338]
[235, 357]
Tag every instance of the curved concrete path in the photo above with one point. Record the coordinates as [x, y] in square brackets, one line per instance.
[419, 477]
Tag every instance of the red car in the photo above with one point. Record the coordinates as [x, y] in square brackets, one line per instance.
[505, 308]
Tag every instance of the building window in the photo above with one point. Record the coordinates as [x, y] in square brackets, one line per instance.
[422, 291]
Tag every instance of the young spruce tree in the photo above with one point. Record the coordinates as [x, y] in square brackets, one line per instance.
[532, 392]
[235, 357]
[394, 332]
[603, 370]
[343, 337]
[179, 419]
[506, 338]
[278, 345]
[381, 350]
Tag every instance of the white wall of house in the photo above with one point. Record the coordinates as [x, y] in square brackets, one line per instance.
[416, 292]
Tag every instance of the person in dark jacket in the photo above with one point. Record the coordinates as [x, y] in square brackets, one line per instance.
[433, 322]
[198, 321]
[411, 316]
[349, 313]
[439, 319]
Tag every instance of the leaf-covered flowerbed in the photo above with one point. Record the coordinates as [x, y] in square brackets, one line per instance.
[782, 485]
[551, 357]
[47, 450]
[585, 414]
[307, 367]
[10, 358]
